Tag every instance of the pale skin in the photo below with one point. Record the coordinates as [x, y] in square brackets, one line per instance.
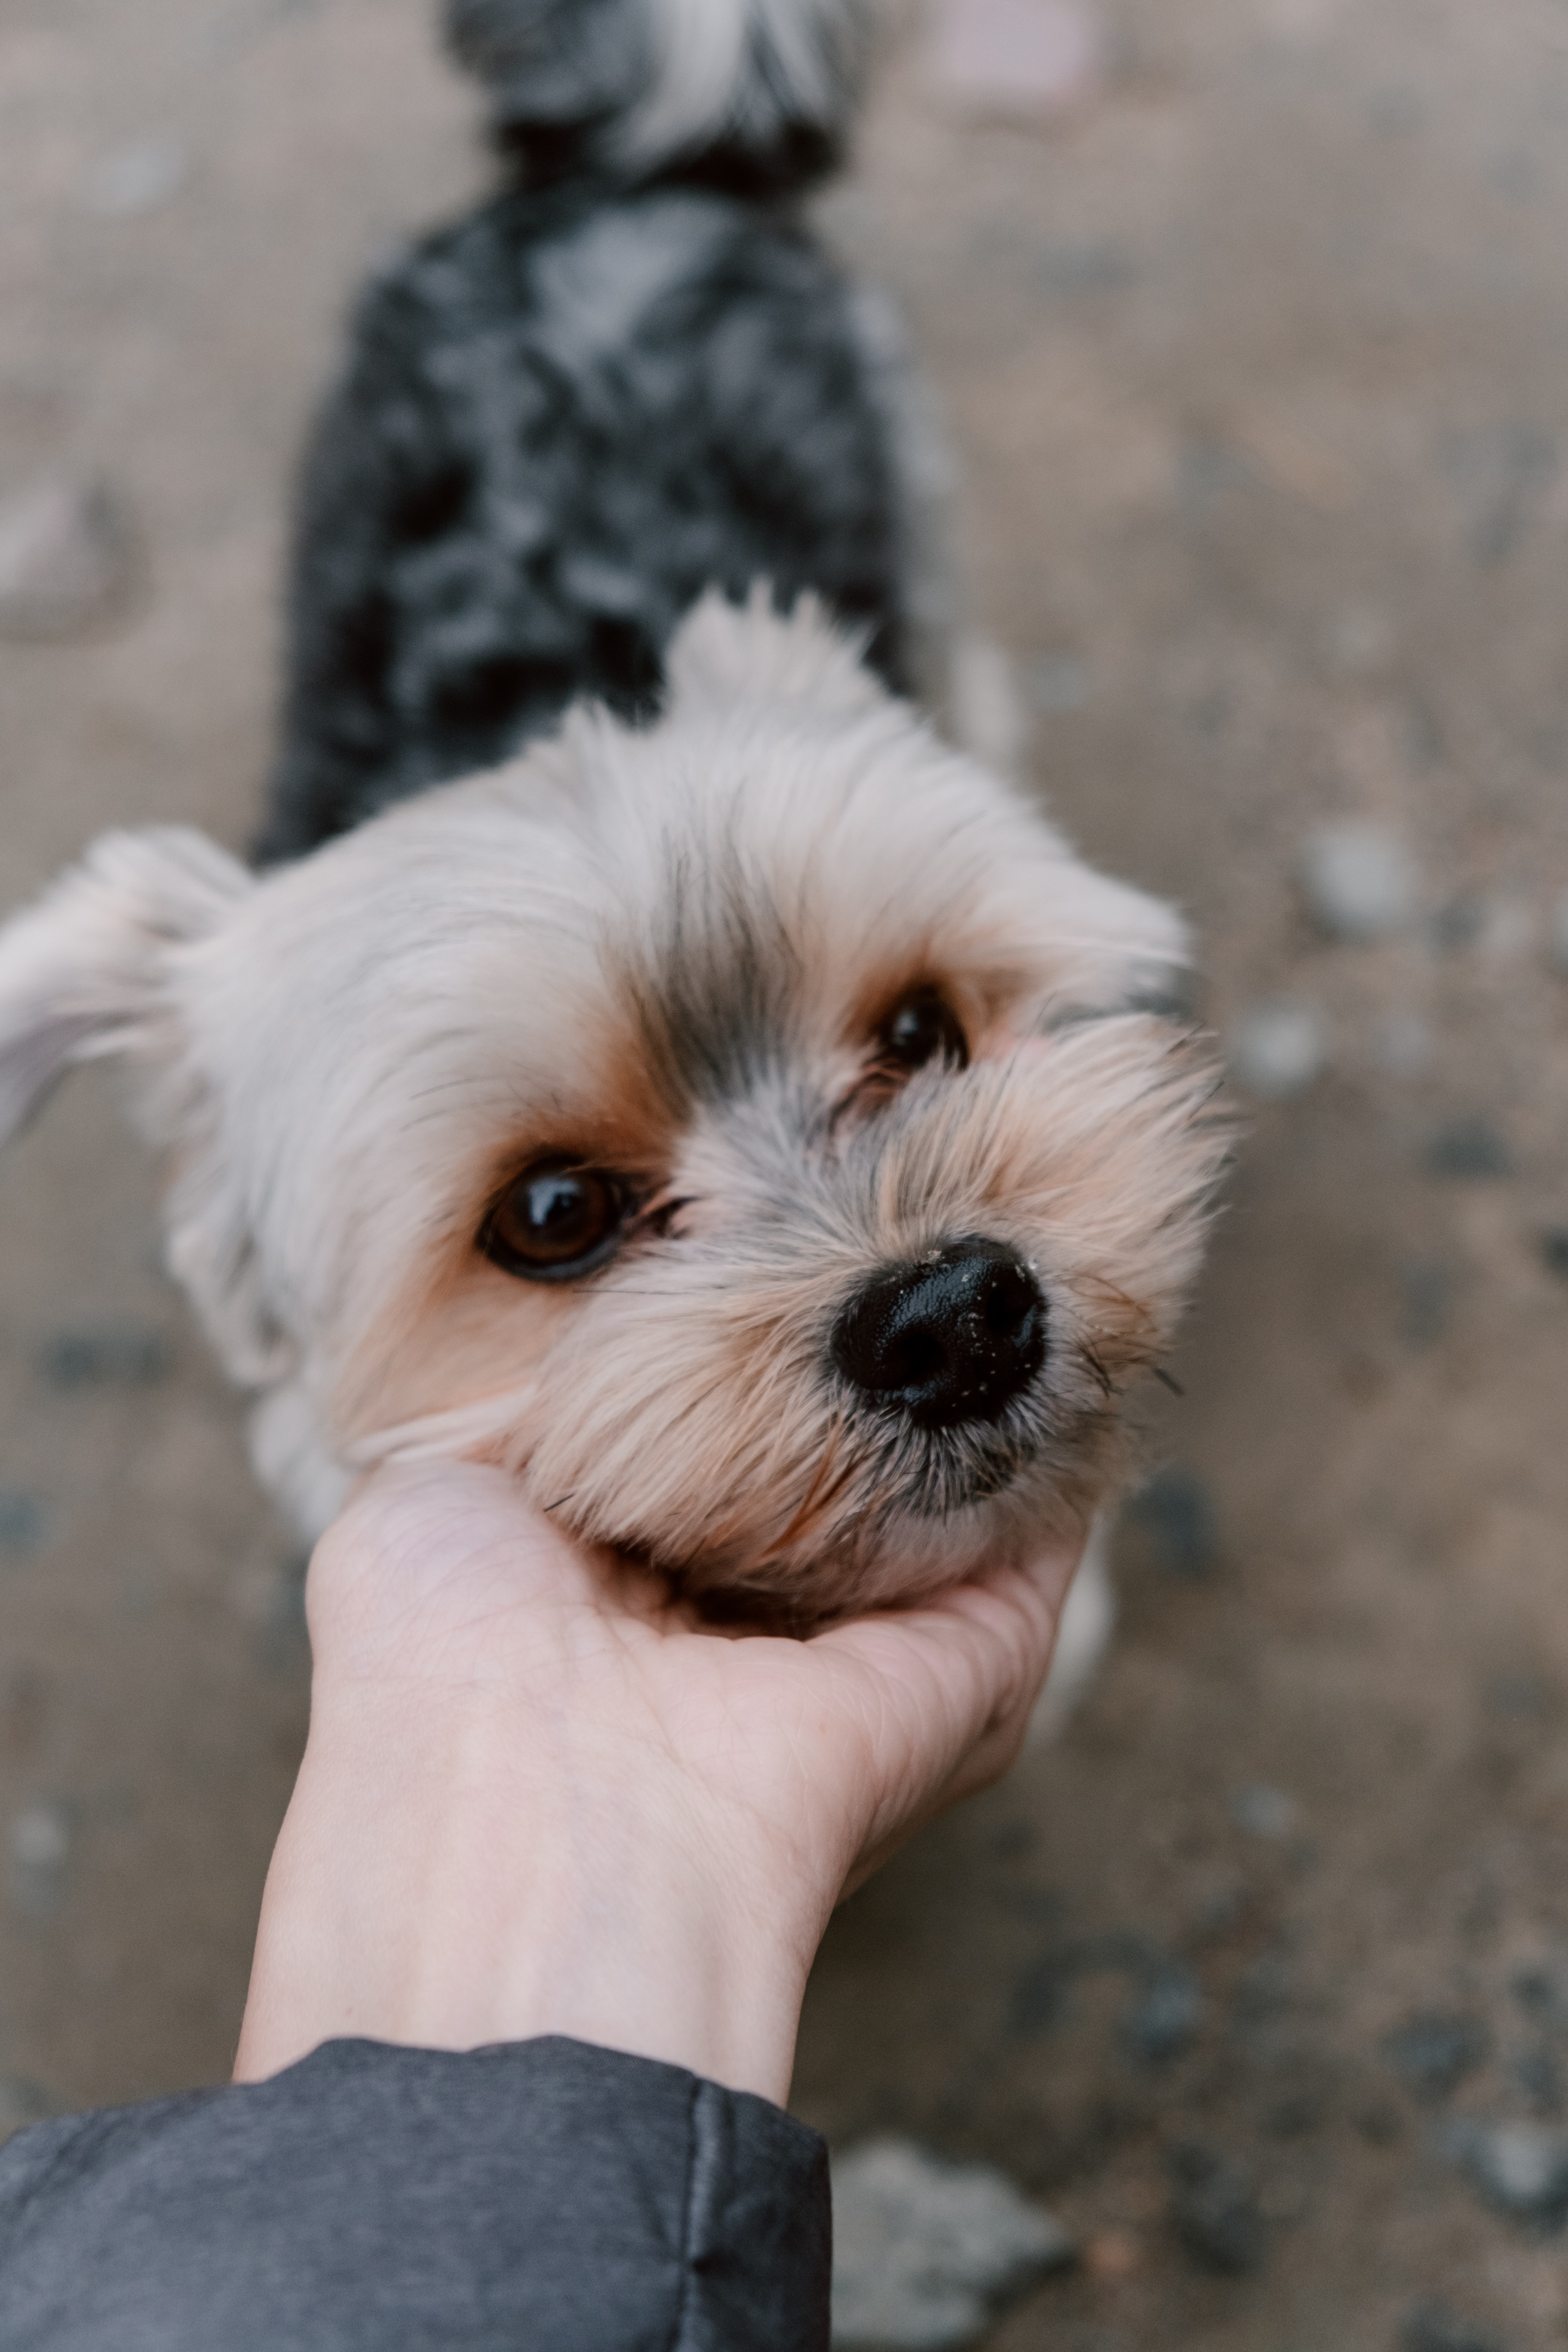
[539, 1797]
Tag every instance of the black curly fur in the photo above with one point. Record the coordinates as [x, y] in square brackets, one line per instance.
[561, 420]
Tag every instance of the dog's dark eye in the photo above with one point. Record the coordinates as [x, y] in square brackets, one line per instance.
[557, 1221]
[922, 1027]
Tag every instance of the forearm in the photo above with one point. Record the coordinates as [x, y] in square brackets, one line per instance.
[442, 1882]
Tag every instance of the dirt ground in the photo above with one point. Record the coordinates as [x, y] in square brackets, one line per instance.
[1258, 372]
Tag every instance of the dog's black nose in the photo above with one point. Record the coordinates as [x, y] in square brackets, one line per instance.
[954, 1339]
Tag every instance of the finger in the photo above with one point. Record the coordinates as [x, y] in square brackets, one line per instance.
[981, 1647]
[425, 1548]
[958, 1680]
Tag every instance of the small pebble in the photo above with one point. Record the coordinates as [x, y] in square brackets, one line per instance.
[22, 1524]
[1215, 2211]
[1033, 59]
[923, 2251]
[1539, 2074]
[138, 178]
[39, 1845]
[64, 560]
[1434, 2328]
[1278, 1049]
[1360, 639]
[117, 1354]
[1432, 2054]
[1522, 2168]
[1542, 1991]
[1470, 1150]
[1164, 2016]
[1177, 1511]
[1554, 1250]
[1263, 1811]
[1520, 1699]
[1360, 881]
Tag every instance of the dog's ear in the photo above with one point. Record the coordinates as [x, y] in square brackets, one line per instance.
[87, 971]
[725, 656]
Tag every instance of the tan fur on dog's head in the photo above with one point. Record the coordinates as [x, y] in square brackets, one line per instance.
[667, 954]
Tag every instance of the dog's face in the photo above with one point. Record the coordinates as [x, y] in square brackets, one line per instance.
[734, 1127]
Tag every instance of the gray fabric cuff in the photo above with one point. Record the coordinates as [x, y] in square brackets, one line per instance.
[543, 2194]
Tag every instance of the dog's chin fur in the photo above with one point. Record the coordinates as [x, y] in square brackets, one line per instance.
[666, 952]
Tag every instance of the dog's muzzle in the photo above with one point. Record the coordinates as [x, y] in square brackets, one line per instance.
[949, 1339]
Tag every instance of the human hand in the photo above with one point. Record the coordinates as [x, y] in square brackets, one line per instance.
[540, 1796]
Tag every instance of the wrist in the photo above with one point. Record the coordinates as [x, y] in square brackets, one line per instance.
[448, 1878]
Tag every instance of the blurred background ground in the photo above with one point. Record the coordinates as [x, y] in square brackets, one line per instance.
[1258, 369]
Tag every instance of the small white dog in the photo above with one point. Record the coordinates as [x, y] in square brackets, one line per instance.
[743, 1127]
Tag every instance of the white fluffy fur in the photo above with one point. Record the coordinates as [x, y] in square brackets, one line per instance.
[345, 1058]
[727, 65]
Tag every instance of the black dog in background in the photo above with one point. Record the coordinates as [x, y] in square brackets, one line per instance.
[630, 376]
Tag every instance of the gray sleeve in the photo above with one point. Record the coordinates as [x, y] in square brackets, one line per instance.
[544, 2194]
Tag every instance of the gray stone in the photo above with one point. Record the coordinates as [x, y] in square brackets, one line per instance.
[1521, 1698]
[64, 560]
[1278, 1049]
[1470, 1150]
[1215, 2211]
[1176, 1509]
[1522, 2168]
[1540, 1990]
[39, 1843]
[23, 1525]
[1263, 1811]
[1555, 1252]
[1164, 2016]
[1360, 880]
[1538, 2071]
[138, 178]
[1434, 2328]
[1433, 2051]
[923, 2251]
[129, 1355]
